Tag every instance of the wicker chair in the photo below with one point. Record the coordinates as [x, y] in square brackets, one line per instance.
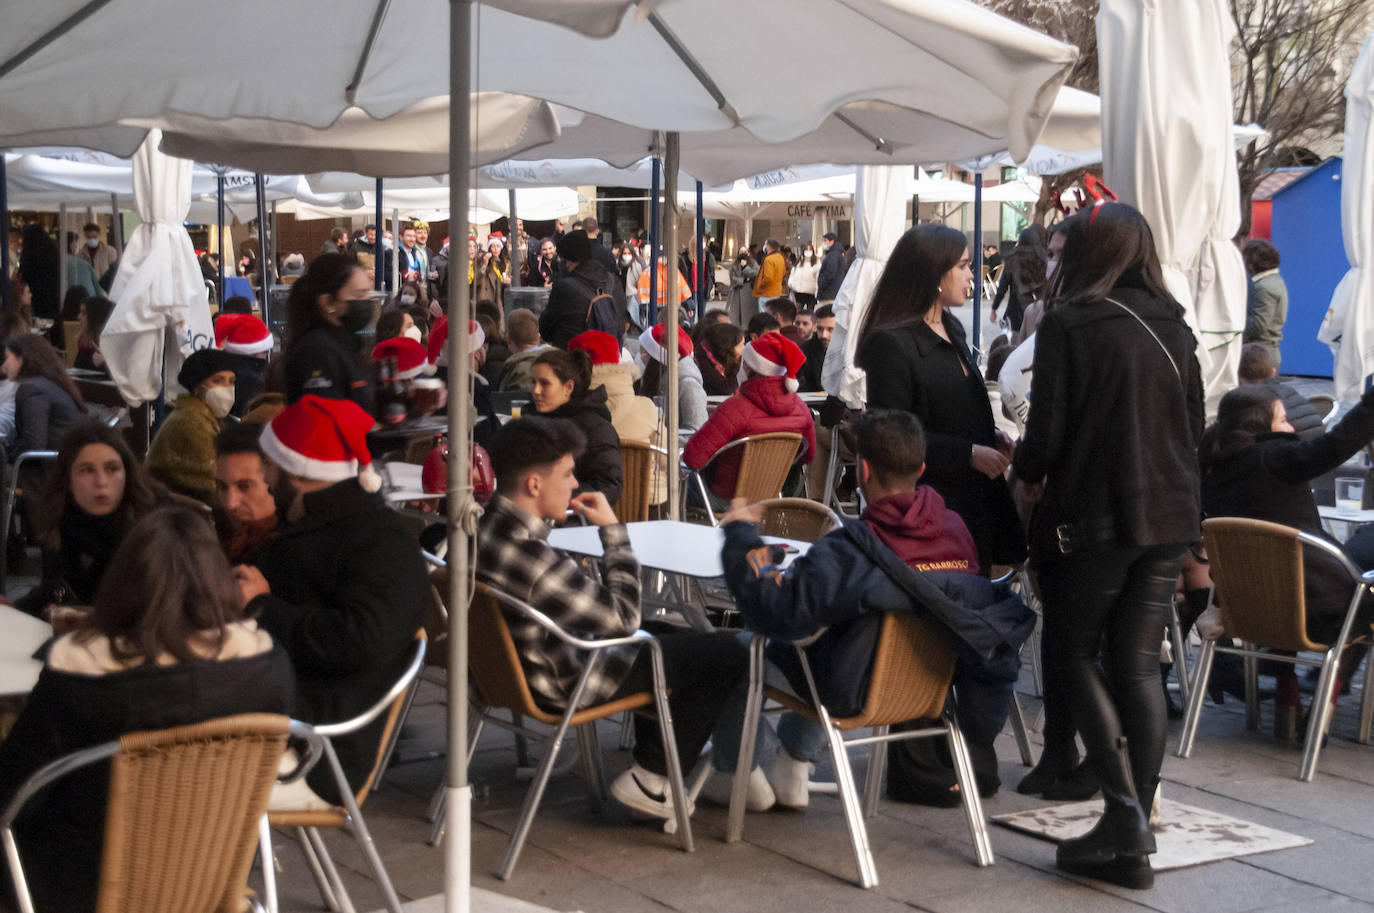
[1257, 582]
[763, 466]
[797, 518]
[912, 672]
[644, 466]
[183, 817]
[498, 681]
[347, 816]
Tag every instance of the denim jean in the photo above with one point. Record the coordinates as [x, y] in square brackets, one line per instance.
[798, 736]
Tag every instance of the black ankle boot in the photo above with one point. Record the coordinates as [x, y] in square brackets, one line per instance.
[1044, 774]
[1117, 847]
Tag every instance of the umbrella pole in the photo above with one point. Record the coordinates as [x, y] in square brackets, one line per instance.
[513, 229]
[653, 243]
[4, 238]
[378, 262]
[457, 790]
[396, 252]
[977, 259]
[272, 243]
[701, 257]
[116, 229]
[262, 243]
[62, 253]
[219, 238]
[670, 215]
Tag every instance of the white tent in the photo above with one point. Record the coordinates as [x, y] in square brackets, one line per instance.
[484, 206]
[1169, 151]
[162, 313]
[1349, 324]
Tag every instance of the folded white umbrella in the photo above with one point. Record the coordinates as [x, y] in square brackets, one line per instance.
[1349, 325]
[1169, 151]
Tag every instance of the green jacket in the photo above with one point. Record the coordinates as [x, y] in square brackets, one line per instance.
[1266, 310]
[182, 455]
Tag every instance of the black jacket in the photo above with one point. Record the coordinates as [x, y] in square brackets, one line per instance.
[809, 377]
[599, 467]
[348, 592]
[328, 362]
[842, 585]
[831, 274]
[248, 371]
[565, 313]
[43, 414]
[1112, 430]
[912, 368]
[61, 834]
[72, 574]
[1302, 415]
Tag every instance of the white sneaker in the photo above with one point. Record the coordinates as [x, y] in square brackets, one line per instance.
[719, 785]
[791, 780]
[645, 792]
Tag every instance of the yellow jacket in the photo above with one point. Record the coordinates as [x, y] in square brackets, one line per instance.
[768, 284]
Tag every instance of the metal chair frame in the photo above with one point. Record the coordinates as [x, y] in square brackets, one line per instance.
[695, 474]
[1319, 718]
[8, 517]
[319, 746]
[830, 499]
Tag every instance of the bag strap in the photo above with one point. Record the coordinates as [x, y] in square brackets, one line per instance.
[1173, 364]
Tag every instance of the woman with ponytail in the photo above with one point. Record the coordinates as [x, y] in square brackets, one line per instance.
[562, 389]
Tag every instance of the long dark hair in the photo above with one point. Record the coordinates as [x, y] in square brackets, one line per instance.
[1115, 249]
[910, 282]
[1242, 415]
[328, 273]
[41, 360]
[569, 366]
[98, 311]
[1026, 263]
[167, 587]
[140, 491]
[720, 339]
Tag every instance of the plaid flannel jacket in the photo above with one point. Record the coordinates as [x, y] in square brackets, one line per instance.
[514, 556]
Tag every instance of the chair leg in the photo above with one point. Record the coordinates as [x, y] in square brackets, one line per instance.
[1180, 654]
[850, 802]
[535, 794]
[1252, 707]
[395, 738]
[312, 862]
[1367, 698]
[1319, 718]
[358, 826]
[269, 864]
[1202, 670]
[665, 729]
[589, 752]
[1018, 729]
[7, 518]
[753, 708]
[873, 780]
[627, 731]
[968, 786]
[336, 885]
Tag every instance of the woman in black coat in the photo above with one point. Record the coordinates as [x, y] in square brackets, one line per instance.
[1023, 275]
[916, 359]
[1116, 409]
[326, 310]
[562, 389]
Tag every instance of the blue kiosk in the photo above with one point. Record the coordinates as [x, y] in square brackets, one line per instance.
[1307, 232]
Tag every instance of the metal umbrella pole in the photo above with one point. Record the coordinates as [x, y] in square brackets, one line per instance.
[4, 238]
[63, 251]
[378, 263]
[701, 256]
[513, 227]
[116, 229]
[653, 243]
[670, 162]
[262, 244]
[219, 237]
[977, 260]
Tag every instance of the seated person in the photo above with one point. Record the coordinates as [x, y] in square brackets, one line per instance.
[96, 493]
[182, 455]
[760, 323]
[906, 553]
[167, 643]
[46, 402]
[784, 311]
[653, 357]
[719, 348]
[342, 586]
[1257, 366]
[94, 314]
[246, 338]
[522, 338]
[437, 349]
[237, 304]
[815, 348]
[533, 459]
[246, 515]
[563, 389]
[767, 401]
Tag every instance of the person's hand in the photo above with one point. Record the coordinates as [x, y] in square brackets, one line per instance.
[594, 507]
[742, 510]
[1005, 445]
[251, 582]
[97, 359]
[988, 461]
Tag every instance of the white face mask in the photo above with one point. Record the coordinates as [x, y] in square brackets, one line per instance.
[386, 243]
[407, 299]
[92, 243]
[413, 332]
[626, 258]
[220, 400]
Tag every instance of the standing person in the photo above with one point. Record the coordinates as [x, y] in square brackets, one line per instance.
[600, 252]
[832, 269]
[768, 283]
[38, 269]
[412, 265]
[1266, 305]
[326, 309]
[804, 279]
[95, 251]
[563, 389]
[545, 265]
[1116, 411]
[684, 292]
[917, 359]
[741, 305]
[572, 307]
[1024, 275]
[422, 252]
[491, 273]
[337, 243]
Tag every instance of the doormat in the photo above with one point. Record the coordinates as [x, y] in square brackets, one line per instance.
[1186, 835]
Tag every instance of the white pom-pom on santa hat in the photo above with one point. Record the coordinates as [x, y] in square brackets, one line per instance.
[322, 439]
[653, 343]
[774, 355]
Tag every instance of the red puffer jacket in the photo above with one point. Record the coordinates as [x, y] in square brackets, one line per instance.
[763, 404]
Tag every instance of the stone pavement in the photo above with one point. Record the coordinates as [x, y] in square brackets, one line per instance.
[801, 861]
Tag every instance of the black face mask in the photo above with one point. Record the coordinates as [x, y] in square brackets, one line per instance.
[358, 315]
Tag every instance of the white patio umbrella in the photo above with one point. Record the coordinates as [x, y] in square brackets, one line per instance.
[484, 206]
[1349, 325]
[1169, 151]
[161, 310]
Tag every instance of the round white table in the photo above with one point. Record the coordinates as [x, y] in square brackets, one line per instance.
[690, 549]
[20, 636]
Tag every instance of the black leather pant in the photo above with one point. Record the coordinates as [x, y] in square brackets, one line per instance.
[1122, 593]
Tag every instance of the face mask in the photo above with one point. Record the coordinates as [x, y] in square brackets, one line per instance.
[358, 315]
[220, 400]
[92, 243]
[386, 243]
[407, 299]
[413, 333]
[626, 258]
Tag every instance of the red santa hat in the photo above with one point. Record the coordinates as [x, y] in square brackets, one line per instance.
[653, 340]
[438, 341]
[602, 347]
[323, 439]
[242, 334]
[774, 355]
[410, 355]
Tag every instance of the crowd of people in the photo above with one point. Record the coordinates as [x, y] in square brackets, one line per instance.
[250, 563]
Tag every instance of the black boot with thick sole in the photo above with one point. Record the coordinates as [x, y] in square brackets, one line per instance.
[1117, 849]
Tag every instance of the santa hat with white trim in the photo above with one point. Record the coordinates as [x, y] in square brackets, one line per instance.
[438, 341]
[242, 334]
[322, 439]
[774, 355]
[603, 348]
[410, 355]
[653, 340]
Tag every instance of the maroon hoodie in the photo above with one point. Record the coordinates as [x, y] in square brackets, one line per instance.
[923, 532]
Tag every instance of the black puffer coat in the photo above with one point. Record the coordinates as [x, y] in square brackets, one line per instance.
[599, 467]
